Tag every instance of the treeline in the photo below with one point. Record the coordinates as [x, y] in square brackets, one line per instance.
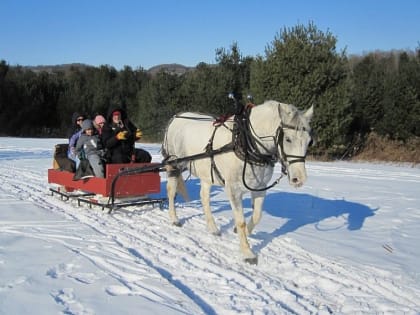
[353, 95]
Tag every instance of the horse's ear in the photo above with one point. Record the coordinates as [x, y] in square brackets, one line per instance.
[309, 113]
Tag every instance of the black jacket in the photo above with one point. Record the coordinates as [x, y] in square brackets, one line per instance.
[118, 151]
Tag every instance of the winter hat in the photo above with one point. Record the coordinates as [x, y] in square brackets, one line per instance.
[116, 112]
[87, 124]
[99, 119]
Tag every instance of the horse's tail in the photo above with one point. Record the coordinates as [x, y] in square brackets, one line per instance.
[182, 189]
[180, 184]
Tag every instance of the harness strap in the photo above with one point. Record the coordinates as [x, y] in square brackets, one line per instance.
[245, 145]
[209, 149]
[221, 120]
[226, 148]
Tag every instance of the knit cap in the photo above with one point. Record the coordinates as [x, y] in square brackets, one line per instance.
[99, 119]
[87, 124]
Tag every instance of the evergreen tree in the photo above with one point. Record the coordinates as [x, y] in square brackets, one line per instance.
[400, 101]
[235, 75]
[206, 88]
[368, 79]
[4, 69]
[302, 67]
[157, 102]
[128, 84]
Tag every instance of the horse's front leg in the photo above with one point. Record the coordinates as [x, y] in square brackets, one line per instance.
[235, 197]
[257, 204]
[205, 201]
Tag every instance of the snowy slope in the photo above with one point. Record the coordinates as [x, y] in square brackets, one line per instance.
[345, 243]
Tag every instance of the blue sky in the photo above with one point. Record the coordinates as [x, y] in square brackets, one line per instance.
[141, 33]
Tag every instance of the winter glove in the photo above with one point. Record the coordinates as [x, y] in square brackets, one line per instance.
[139, 134]
[122, 135]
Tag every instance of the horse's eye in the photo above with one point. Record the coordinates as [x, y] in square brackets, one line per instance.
[288, 140]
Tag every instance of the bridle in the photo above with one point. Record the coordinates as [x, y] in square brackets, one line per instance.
[285, 158]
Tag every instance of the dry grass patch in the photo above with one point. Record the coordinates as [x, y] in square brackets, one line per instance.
[379, 148]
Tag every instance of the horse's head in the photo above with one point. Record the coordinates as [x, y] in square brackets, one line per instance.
[294, 138]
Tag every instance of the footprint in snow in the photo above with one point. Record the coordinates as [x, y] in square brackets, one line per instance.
[67, 298]
[68, 270]
[116, 290]
[18, 281]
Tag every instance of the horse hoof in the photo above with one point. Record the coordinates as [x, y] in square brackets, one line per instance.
[235, 230]
[252, 261]
[177, 223]
[218, 233]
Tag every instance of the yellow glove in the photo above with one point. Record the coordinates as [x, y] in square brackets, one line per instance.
[122, 135]
[139, 134]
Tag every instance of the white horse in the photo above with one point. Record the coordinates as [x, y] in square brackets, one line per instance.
[277, 132]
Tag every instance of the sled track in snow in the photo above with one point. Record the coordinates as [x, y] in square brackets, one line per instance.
[140, 244]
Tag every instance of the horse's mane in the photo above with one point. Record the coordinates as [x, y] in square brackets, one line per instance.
[288, 113]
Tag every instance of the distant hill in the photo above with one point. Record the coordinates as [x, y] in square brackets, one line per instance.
[172, 68]
[55, 68]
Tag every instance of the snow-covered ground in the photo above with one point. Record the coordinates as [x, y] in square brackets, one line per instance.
[345, 243]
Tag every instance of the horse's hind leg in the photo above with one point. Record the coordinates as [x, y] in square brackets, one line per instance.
[171, 187]
[205, 201]
[257, 204]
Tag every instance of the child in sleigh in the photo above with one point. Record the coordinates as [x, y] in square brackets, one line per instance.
[89, 147]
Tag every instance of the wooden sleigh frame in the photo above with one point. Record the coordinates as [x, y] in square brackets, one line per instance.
[128, 190]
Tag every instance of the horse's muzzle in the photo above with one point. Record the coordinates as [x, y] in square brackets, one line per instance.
[297, 175]
[296, 182]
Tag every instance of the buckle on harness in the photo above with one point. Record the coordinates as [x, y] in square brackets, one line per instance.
[221, 120]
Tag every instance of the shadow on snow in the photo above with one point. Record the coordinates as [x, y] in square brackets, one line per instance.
[299, 209]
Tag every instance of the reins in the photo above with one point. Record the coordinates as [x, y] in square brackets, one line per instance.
[246, 148]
